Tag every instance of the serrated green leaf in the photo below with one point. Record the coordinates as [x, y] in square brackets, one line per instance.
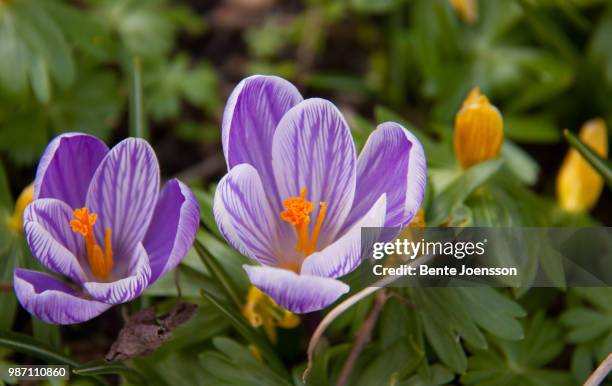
[520, 362]
[459, 190]
[493, 311]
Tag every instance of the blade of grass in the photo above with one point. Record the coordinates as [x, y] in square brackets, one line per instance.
[102, 368]
[218, 273]
[601, 165]
[138, 127]
[249, 334]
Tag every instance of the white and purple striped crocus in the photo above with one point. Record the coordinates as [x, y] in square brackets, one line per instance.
[99, 220]
[296, 196]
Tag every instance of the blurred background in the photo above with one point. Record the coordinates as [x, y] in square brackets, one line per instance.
[66, 66]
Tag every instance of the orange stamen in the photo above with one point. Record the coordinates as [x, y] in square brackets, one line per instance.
[100, 262]
[297, 212]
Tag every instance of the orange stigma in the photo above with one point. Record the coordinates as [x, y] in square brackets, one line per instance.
[297, 212]
[100, 261]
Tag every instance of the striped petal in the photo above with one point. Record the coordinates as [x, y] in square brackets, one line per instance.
[123, 193]
[297, 293]
[313, 149]
[244, 215]
[391, 162]
[127, 288]
[251, 115]
[52, 242]
[67, 166]
[172, 229]
[346, 253]
[52, 301]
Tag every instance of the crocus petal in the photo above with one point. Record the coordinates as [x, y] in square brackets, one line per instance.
[52, 242]
[392, 162]
[313, 149]
[52, 301]
[251, 115]
[346, 253]
[67, 166]
[127, 288]
[123, 193]
[296, 293]
[244, 215]
[172, 229]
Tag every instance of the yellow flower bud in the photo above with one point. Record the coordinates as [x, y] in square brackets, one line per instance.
[467, 10]
[262, 310]
[578, 184]
[15, 222]
[418, 221]
[479, 130]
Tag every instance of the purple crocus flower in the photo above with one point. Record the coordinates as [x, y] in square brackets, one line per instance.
[99, 219]
[296, 196]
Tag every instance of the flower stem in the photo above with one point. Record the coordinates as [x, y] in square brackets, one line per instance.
[363, 337]
[600, 373]
[138, 127]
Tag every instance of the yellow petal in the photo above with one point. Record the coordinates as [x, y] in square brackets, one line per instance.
[467, 10]
[261, 310]
[15, 222]
[289, 320]
[479, 130]
[578, 184]
[250, 310]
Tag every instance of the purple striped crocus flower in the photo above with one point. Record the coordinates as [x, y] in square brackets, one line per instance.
[296, 196]
[99, 220]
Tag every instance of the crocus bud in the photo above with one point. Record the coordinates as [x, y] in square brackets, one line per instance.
[466, 9]
[15, 222]
[578, 184]
[479, 130]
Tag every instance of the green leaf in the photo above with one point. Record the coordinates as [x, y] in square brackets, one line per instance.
[48, 334]
[396, 361]
[103, 368]
[46, 40]
[520, 163]
[460, 189]
[205, 199]
[439, 375]
[493, 311]
[531, 129]
[591, 319]
[39, 76]
[218, 273]
[235, 364]
[520, 362]
[144, 26]
[601, 165]
[92, 105]
[249, 334]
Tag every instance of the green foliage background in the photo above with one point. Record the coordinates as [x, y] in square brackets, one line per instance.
[546, 64]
